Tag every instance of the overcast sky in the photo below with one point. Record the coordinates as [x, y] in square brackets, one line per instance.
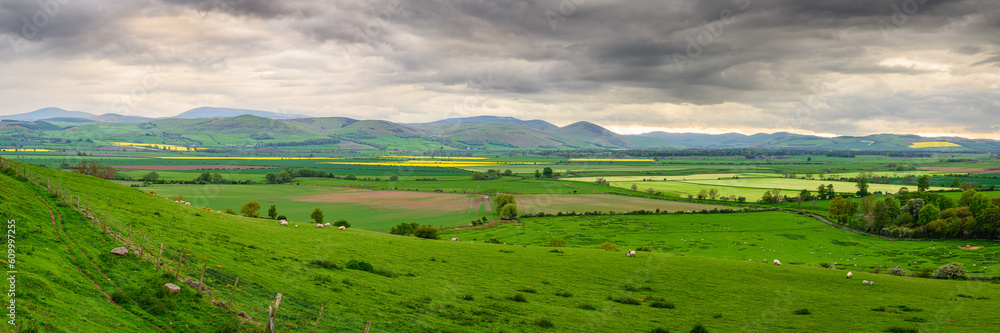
[848, 67]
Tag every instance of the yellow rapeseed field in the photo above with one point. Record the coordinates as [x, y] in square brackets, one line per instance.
[933, 144]
[440, 164]
[438, 157]
[24, 149]
[611, 160]
[155, 146]
[242, 158]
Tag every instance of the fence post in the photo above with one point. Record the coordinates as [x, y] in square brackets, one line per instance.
[177, 273]
[368, 325]
[233, 293]
[142, 248]
[201, 281]
[315, 327]
[158, 257]
[116, 226]
[272, 311]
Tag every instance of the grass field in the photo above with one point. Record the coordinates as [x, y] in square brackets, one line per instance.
[474, 287]
[753, 237]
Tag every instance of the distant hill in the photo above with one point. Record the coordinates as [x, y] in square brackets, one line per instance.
[213, 112]
[47, 113]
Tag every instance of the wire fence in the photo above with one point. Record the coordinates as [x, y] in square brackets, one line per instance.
[242, 297]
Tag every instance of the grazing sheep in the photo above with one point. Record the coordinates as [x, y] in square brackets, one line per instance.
[849, 275]
[296, 225]
[343, 228]
[871, 283]
[454, 239]
[327, 224]
[187, 203]
[777, 263]
[283, 222]
[865, 282]
[319, 225]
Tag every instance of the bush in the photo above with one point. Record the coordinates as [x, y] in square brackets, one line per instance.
[644, 249]
[119, 297]
[608, 246]
[802, 312]
[897, 271]
[699, 328]
[662, 305]
[544, 322]
[826, 265]
[953, 270]
[624, 300]
[557, 242]
[915, 320]
[563, 294]
[587, 306]
[925, 272]
[468, 297]
[528, 290]
[426, 231]
[385, 272]
[342, 223]
[230, 211]
[519, 298]
[281, 217]
[360, 265]
[324, 264]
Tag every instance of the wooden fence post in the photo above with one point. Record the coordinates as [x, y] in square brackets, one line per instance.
[233, 293]
[201, 281]
[180, 258]
[158, 257]
[128, 241]
[273, 311]
[315, 327]
[368, 325]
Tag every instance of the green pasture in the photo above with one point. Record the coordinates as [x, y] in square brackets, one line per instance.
[751, 237]
[440, 285]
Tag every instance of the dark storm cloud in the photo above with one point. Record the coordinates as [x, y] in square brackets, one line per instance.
[765, 54]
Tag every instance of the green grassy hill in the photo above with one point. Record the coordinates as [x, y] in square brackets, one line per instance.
[463, 286]
[67, 281]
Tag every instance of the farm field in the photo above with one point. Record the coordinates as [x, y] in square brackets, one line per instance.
[468, 287]
[757, 237]
[535, 203]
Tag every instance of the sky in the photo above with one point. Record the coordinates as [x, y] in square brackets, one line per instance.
[851, 67]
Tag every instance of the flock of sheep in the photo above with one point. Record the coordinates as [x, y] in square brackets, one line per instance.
[318, 225]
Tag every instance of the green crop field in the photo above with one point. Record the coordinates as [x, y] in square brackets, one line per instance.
[474, 287]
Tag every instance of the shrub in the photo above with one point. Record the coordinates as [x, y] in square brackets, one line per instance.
[342, 223]
[826, 265]
[119, 297]
[324, 264]
[624, 300]
[317, 215]
[587, 306]
[230, 211]
[385, 272]
[915, 320]
[250, 209]
[897, 329]
[544, 322]
[468, 297]
[879, 309]
[662, 305]
[953, 270]
[644, 248]
[519, 298]
[426, 231]
[281, 217]
[898, 271]
[925, 272]
[360, 265]
[557, 242]
[564, 294]
[528, 290]
[608, 246]
[802, 312]
[699, 328]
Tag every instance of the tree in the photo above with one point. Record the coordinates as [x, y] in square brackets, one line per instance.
[842, 207]
[394, 178]
[862, 187]
[635, 187]
[929, 213]
[829, 191]
[404, 229]
[821, 191]
[805, 194]
[272, 212]
[923, 183]
[426, 231]
[509, 211]
[250, 209]
[284, 176]
[547, 172]
[956, 182]
[702, 194]
[952, 270]
[317, 215]
[557, 242]
[342, 223]
[538, 174]
[351, 176]
[767, 197]
[508, 172]
[271, 178]
[152, 176]
[501, 200]
[713, 194]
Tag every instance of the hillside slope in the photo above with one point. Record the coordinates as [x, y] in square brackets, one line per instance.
[430, 285]
[67, 280]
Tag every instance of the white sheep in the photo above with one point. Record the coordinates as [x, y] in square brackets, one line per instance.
[871, 283]
[343, 228]
[283, 222]
[327, 224]
[849, 275]
[454, 239]
[187, 203]
[296, 225]
[865, 282]
[776, 262]
[319, 225]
